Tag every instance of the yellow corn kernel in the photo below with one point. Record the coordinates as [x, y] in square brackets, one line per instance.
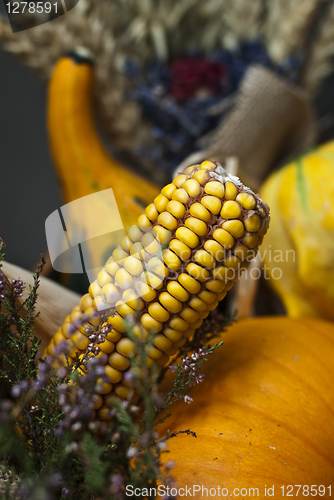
[66, 330]
[140, 333]
[103, 278]
[192, 187]
[212, 203]
[176, 208]
[215, 286]
[156, 266]
[85, 302]
[188, 333]
[143, 222]
[170, 303]
[175, 289]
[111, 266]
[76, 314]
[111, 293]
[123, 279]
[198, 272]
[179, 324]
[151, 212]
[117, 322]
[250, 240]
[171, 260]
[150, 243]
[104, 414]
[212, 306]
[232, 262]
[180, 180]
[197, 226]
[145, 291]
[187, 237]
[167, 220]
[99, 402]
[150, 324]
[151, 279]
[228, 286]
[94, 289]
[80, 341]
[138, 251]
[168, 191]
[204, 259]
[126, 244]
[126, 347]
[197, 323]
[124, 310]
[231, 210]
[235, 227]
[101, 303]
[189, 283]
[207, 165]
[181, 195]
[241, 251]
[223, 274]
[246, 200]
[215, 188]
[179, 343]
[173, 350]
[252, 223]
[204, 314]
[103, 387]
[130, 297]
[162, 234]
[122, 391]
[200, 212]
[153, 352]
[162, 342]
[163, 360]
[119, 255]
[107, 347]
[197, 304]
[215, 249]
[160, 203]
[58, 338]
[135, 234]
[201, 176]
[118, 361]
[113, 374]
[189, 170]
[114, 335]
[172, 335]
[189, 315]
[224, 238]
[148, 362]
[158, 312]
[133, 266]
[221, 295]
[94, 317]
[181, 250]
[231, 191]
[207, 297]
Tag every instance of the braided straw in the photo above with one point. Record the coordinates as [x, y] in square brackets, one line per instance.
[287, 25]
[319, 62]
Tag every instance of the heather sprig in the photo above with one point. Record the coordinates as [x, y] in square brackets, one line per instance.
[50, 440]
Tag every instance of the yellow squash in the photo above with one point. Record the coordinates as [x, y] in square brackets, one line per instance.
[299, 248]
[82, 164]
[263, 415]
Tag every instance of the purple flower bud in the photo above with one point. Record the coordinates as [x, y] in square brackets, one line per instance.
[16, 391]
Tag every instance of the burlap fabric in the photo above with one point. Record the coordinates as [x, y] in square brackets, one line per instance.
[271, 122]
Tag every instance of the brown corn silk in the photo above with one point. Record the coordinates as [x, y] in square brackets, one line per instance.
[208, 227]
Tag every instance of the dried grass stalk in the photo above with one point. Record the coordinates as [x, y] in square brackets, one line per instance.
[286, 26]
[320, 60]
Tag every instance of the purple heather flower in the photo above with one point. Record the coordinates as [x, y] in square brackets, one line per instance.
[188, 399]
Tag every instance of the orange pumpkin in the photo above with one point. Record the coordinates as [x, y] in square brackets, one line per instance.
[264, 415]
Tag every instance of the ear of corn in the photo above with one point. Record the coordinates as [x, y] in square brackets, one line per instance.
[168, 273]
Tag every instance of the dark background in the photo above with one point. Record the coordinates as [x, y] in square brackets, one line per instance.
[29, 187]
